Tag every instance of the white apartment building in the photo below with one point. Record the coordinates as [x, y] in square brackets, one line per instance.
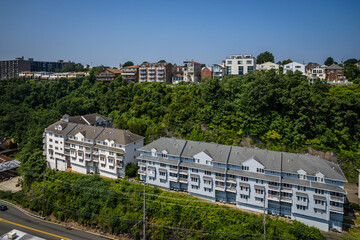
[294, 66]
[240, 64]
[297, 186]
[90, 149]
[267, 66]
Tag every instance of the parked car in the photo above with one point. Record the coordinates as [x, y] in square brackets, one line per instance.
[3, 207]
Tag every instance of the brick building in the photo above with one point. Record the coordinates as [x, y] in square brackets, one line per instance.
[206, 72]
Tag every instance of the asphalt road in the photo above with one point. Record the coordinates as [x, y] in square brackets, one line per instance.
[15, 219]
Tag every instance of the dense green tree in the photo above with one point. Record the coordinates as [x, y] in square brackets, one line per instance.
[265, 57]
[131, 170]
[329, 61]
[128, 64]
[350, 61]
[162, 61]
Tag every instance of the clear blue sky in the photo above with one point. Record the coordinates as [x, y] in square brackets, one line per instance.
[112, 32]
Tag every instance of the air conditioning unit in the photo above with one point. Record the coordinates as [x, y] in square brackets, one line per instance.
[12, 234]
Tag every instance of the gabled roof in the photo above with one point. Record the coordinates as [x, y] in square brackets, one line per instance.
[334, 67]
[89, 132]
[131, 67]
[119, 136]
[172, 145]
[52, 128]
[114, 70]
[86, 119]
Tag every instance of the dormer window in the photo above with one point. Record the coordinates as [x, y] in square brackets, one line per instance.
[196, 160]
[319, 179]
[260, 170]
[164, 155]
[208, 162]
[302, 176]
[245, 168]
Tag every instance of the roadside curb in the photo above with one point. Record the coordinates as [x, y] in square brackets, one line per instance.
[43, 219]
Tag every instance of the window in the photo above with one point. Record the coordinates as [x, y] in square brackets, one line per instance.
[81, 147]
[229, 62]
[300, 207]
[196, 160]
[163, 180]
[162, 165]
[258, 191]
[260, 170]
[207, 182]
[244, 179]
[207, 189]
[319, 202]
[102, 165]
[319, 191]
[248, 61]
[302, 176]
[319, 179]
[111, 167]
[250, 68]
[297, 66]
[228, 70]
[162, 173]
[240, 62]
[319, 211]
[50, 139]
[245, 168]
[72, 145]
[111, 160]
[194, 187]
[50, 146]
[207, 173]
[257, 199]
[301, 199]
[301, 188]
[194, 179]
[241, 70]
[194, 170]
[242, 188]
[243, 196]
[152, 178]
[208, 162]
[111, 153]
[164, 155]
[56, 148]
[259, 181]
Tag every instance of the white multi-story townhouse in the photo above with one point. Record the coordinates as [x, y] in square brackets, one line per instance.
[294, 66]
[219, 70]
[90, 149]
[240, 64]
[301, 187]
[267, 66]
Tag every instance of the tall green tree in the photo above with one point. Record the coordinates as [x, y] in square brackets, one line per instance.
[265, 57]
[128, 64]
[329, 61]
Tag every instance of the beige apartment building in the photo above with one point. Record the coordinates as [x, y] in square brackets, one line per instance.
[130, 74]
[192, 71]
[156, 72]
[267, 66]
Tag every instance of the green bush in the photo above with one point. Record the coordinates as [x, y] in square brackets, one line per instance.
[131, 170]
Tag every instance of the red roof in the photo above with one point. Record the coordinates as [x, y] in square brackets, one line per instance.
[4, 159]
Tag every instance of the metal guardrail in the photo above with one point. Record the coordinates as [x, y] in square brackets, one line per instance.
[22, 210]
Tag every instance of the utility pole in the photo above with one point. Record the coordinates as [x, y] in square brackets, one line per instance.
[144, 232]
[43, 198]
[264, 218]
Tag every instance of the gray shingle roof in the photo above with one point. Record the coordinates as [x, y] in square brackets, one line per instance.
[219, 153]
[171, 145]
[334, 67]
[89, 132]
[119, 136]
[271, 160]
[66, 127]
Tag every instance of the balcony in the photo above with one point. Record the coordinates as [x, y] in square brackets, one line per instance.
[95, 153]
[173, 170]
[273, 197]
[119, 164]
[173, 179]
[337, 199]
[67, 146]
[219, 187]
[182, 171]
[337, 209]
[286, 189]
[220, 178]
[183, 180]
[88, 150]
[274, 188]
[231, 180]
[286, 199]
[142, 164]
[231, 189]
[142, 172]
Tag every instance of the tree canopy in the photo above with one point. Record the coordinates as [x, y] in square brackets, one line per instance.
[128, 64]
[265, 57]
[329, 61]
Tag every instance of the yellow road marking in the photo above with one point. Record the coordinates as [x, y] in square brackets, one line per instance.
[13, 223]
